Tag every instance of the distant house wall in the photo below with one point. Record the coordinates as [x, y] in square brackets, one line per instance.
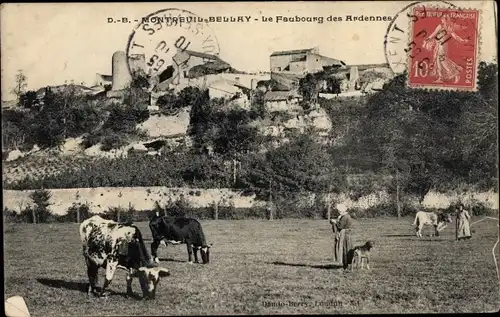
[181, 71]
[289, 67]
[316, 62]
[280, 62]
[282, 105]
[313, 62]
[285, 80]
[298, 67]
[243, 79]
[102, 80]
[219, 91]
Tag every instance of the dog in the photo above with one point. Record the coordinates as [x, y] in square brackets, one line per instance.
[362, 255]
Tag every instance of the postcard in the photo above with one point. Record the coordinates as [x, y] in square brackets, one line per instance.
[224, 158]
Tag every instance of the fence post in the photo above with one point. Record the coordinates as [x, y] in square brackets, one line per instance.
[119, 207]
[78, 209]
[216, 211]
[234, 171]
[271, 216]
[328, 206]
[34, 215]
[397, 194]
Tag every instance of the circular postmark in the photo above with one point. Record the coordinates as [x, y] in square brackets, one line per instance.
[397, 42]
[162, 44]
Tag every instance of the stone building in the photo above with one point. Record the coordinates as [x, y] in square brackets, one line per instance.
[191, 64]
[287, 67]
[103, 80]
[301, 61]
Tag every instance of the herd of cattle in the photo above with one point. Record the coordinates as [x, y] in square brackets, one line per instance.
[111, 245]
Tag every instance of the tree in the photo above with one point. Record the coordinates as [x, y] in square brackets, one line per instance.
[139, 81]
[20, 84]
[487, 78]
[27, 99]
[431, 139]
[191, 96]
[169, 103]
[258, 106]
[478, 129]
[309, 88]
[41, 199]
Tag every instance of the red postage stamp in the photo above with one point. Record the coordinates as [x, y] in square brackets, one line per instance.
[443, 51]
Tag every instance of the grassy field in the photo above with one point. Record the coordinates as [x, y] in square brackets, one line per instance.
[255, 265]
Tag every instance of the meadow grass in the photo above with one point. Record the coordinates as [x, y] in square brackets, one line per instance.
[266, 267]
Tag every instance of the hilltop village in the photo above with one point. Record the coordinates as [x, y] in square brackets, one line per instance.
[280, 83]
[277, 89]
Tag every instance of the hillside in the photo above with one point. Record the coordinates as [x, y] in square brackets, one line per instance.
[311, 148]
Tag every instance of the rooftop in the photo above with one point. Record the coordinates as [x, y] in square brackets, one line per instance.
[106, 77]
[182, 56]
[292, 52]
[202, 55]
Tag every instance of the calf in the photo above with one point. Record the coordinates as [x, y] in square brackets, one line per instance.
[439, 221]
[179, 230]
[113, 245]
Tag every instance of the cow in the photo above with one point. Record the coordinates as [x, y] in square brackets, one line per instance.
[179, 230]
[438, 220]
[112, 245]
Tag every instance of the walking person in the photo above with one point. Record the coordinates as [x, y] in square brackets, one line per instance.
[462, 224]
[343, 243]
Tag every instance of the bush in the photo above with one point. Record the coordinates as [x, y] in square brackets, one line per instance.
[10, 216]
[124, 118]
[383, 210]
[26, 215]
[118, 214]
[177, 208]
[139, 215]
[71, 213]
[91, 139]
[204, 213]
[475, 208]
[112, 141]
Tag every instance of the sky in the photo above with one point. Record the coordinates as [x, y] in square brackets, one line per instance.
[53, 43]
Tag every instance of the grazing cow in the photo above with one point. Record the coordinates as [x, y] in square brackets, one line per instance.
[179, 230]
[111, 245]
[438, 220]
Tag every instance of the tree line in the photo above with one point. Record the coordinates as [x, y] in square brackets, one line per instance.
[420, 139]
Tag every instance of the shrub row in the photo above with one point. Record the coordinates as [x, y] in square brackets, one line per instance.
[225, 213]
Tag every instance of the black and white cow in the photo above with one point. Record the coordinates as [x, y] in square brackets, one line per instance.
[111, 245]
[438, 220]
[180, 230]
